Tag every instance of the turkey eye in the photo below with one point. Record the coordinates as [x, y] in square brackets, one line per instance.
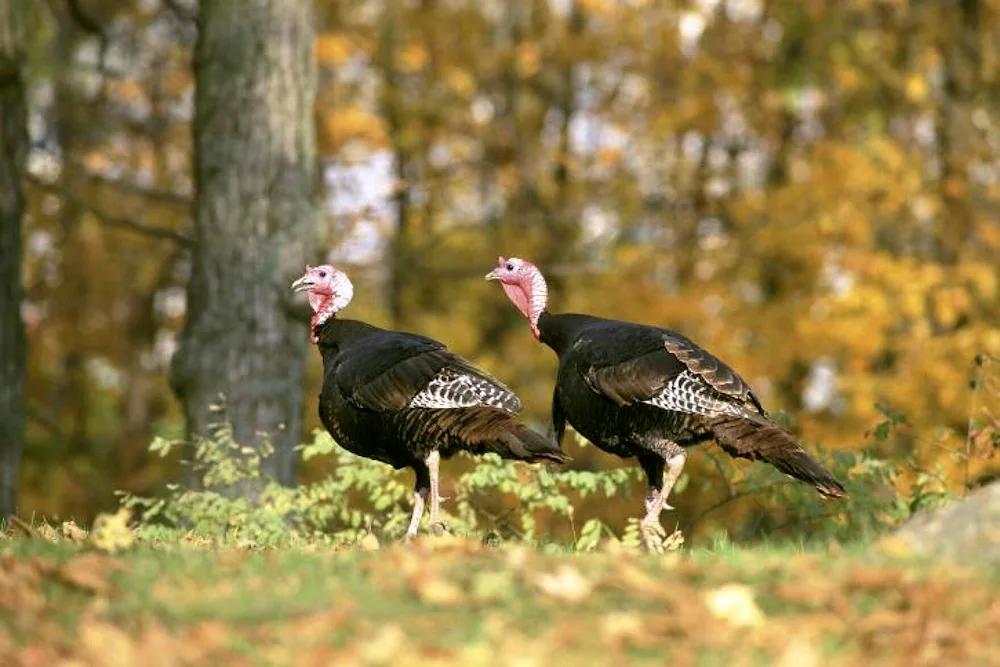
[509, 267]
[322, 274]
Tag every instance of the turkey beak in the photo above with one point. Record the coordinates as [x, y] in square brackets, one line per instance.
[302, 284]
[493, 275]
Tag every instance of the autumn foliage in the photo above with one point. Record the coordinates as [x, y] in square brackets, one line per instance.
[809, 190]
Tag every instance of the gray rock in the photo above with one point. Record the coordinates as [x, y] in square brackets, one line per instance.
[967, 530]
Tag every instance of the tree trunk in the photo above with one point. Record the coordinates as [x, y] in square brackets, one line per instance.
[13, 154]
[254, 160]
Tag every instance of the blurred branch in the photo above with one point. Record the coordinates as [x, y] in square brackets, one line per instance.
[163, 196]
[114, 220]
[734, 495]
[84, 22]
[182, 12]
[44, 419]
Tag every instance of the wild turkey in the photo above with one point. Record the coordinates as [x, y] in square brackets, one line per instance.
[642, 391]
[405, 400]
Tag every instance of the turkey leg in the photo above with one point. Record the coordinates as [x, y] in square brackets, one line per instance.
[651, 532]
[421, 487]
[433, 461]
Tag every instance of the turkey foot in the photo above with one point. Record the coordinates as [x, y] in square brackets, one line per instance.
[652, 534]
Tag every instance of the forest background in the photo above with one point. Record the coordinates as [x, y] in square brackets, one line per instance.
[808, 189]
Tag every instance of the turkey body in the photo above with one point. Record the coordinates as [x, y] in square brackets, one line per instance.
[406, 400]
[640, 391]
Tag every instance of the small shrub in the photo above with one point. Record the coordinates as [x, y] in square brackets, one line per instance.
[362, 496]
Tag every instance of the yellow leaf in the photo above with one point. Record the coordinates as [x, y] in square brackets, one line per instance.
[619, 626]
[916, 88]
[735, 603]
[368, 543]
[333, 49]
[529, 59]
[111, 533]
[412, 58]
[106, 645]
[460, 80]
[800, 652]
[384, 645]
[566, 583]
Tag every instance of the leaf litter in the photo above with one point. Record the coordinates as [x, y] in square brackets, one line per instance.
[456, 602]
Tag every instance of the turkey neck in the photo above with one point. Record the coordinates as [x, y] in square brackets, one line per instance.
[559, 331]
[335, 334]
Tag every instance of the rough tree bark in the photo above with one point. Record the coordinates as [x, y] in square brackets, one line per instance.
[13, 153]
[254, 214]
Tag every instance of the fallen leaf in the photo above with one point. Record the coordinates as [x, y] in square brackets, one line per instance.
[20, 584]
[641, 583]
[435, 589]
[895, 546]
[384, 645]
[73, 531]
[110, 532]
[621, 626]
[673, 541]
[492, 585]
[800, 652]
[48, 532]
[566, 583]
[735, 603]
[106, 645]
[193, 540]
[90, 572]
[368, 543]
[517, 556]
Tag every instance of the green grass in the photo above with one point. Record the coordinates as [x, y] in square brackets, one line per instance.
[448, 601]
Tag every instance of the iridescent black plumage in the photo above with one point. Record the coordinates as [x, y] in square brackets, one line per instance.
[371, 378]
[633, 390]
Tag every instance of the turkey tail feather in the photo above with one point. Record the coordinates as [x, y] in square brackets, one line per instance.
[523, 444]
[768, 442]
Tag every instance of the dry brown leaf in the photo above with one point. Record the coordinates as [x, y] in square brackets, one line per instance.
[74, 532]
[622, 626]
[20, 587]
[639, 582]
[105, 645]
[47, 532]
[673, 541]
[192, 540]
[90, 572]
[566, 583]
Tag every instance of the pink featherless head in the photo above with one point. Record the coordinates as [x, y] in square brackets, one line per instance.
[524, 285]
[329, 290]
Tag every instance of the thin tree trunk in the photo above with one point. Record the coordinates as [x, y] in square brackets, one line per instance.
[13, 154]
[254, 219]
[392, 101]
